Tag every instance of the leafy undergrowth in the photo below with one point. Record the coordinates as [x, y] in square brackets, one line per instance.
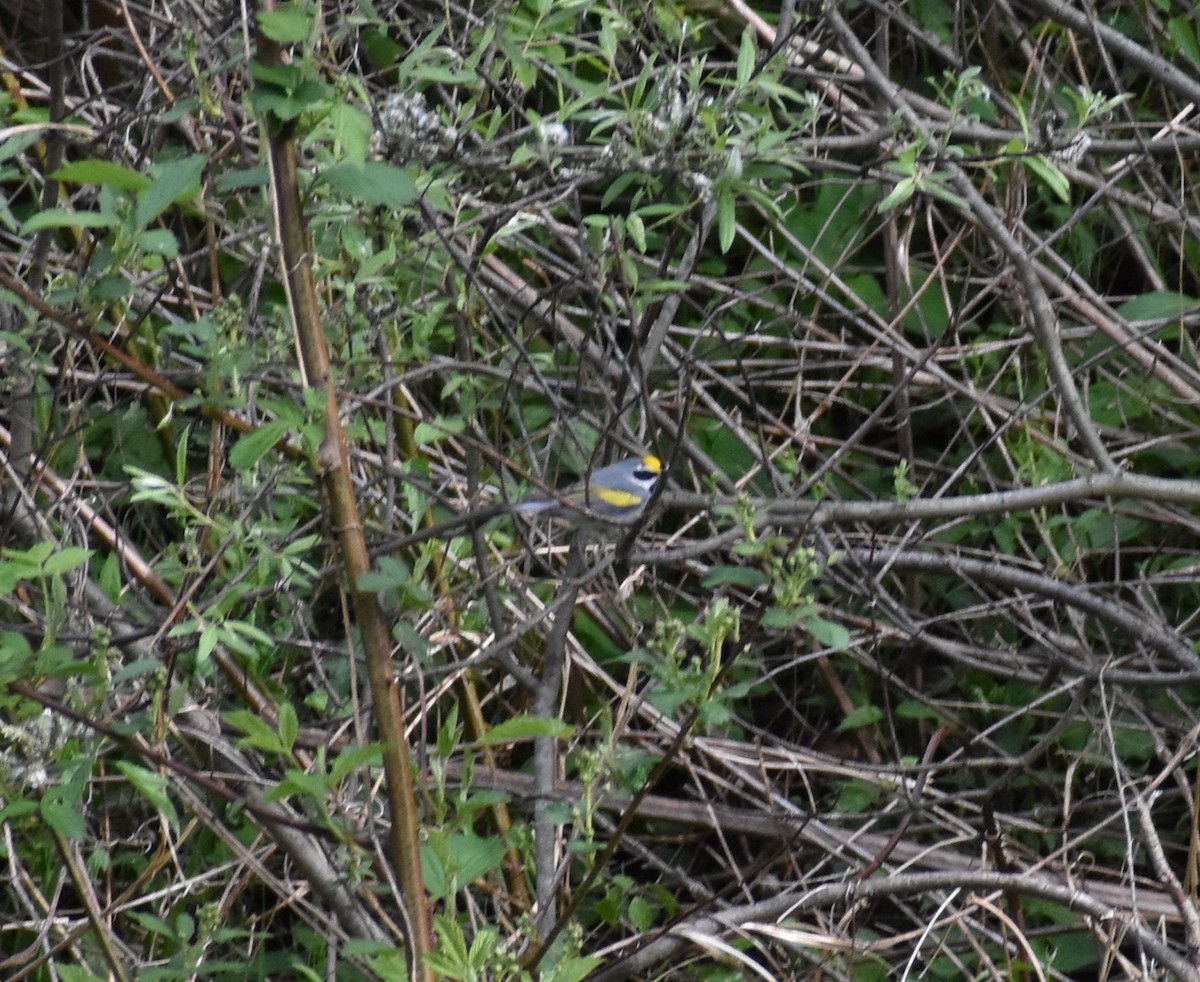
[896, 676]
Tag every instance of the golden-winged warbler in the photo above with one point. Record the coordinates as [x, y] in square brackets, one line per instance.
[617, 493]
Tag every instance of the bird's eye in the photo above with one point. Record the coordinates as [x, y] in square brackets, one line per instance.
[645, 474]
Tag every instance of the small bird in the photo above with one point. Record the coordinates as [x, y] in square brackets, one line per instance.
[616, 494]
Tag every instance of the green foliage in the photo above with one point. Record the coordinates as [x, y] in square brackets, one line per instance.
[129, 203]
[545, 236]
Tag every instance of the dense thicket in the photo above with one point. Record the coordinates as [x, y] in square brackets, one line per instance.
[896, 677]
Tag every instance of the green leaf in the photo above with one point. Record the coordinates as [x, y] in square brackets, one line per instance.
[352, 130]
[1183, 32]
[154, 925]
[17, 810]
[33, 557]
[209, 638]
[912, 709]
[871, 969]
[726, 218]
[828, 633]
[1075, 950]
[287, 99]
[174, 182]
[743, 576]
[438, 430]
[862, 716]
[373, 182]
[857, 796]
[286, 77]
[351, 760]
[779, 619]
[573, 969]
[14, 146]
[65, 560]
[289, 725]
[256, 732]
[289, 23]
[102, 172]
[903, 190]
[159, 242]
[246, 177]
[1133, 744]
[61, 218]
[252, 447]
[641, 914]
[389, 574]
[246, 639]
[299, 783]
[16, 654]
[153, 787]
[637, 231]
[475, 856]
[521, 728]
[61, 811]
[140, 669]
[1158, 305]
[747, 55]
[1050, 176]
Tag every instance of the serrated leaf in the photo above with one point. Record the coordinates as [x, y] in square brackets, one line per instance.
[298, 783]
[289, 23]
[352, 130]
[288, 103]
[475, 856]
[372, 182]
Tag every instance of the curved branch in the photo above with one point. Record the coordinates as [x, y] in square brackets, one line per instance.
[744, 918]
[1041, 314]
[1086, 23]
[1100, 607]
